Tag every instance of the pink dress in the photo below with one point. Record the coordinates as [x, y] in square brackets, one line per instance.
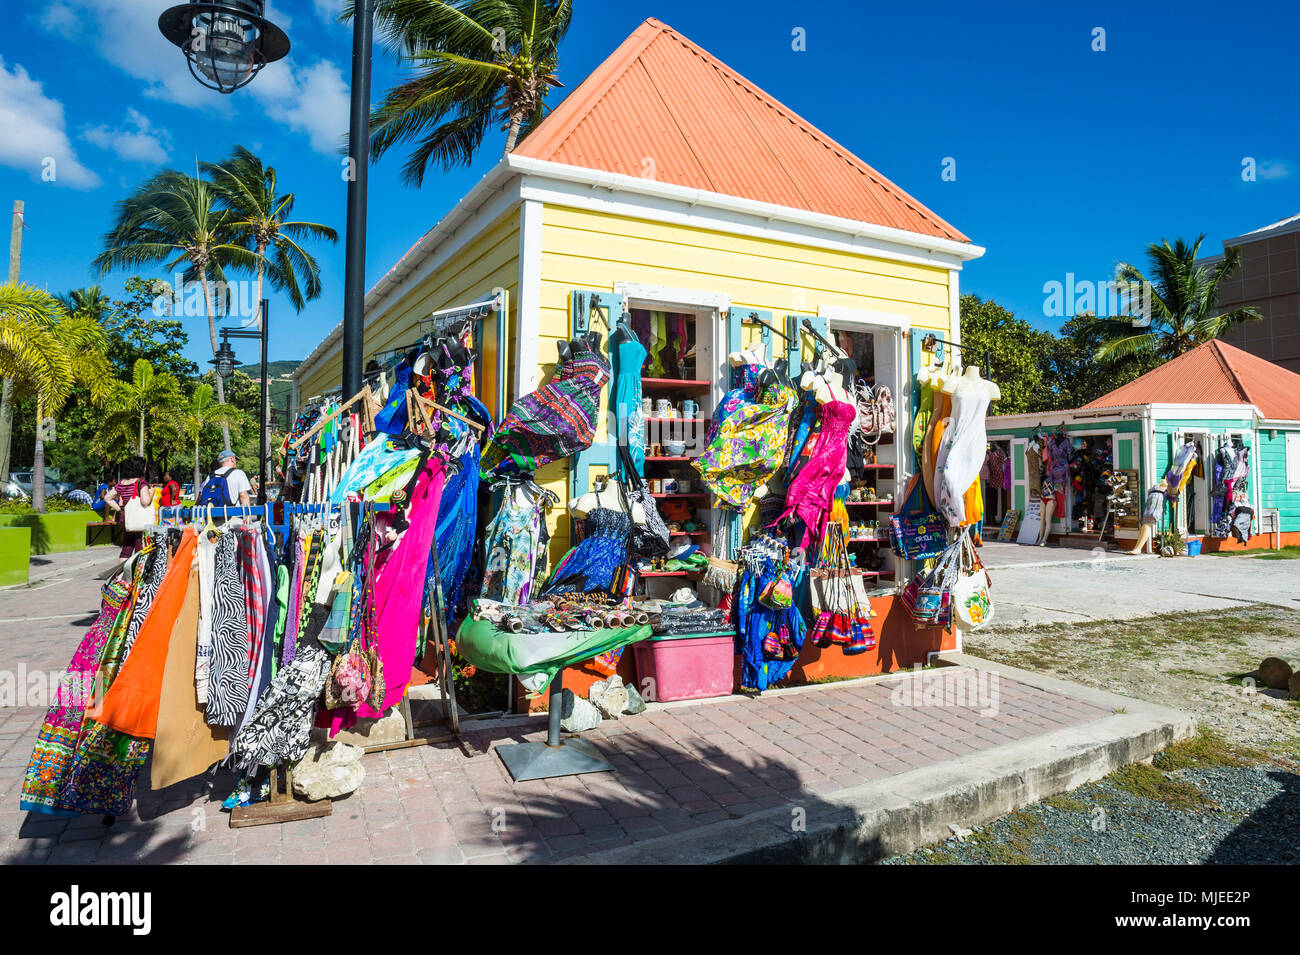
[809, 495]
[399, 594]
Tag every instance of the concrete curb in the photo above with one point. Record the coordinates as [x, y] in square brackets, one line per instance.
[898, 814]
[1084, 558]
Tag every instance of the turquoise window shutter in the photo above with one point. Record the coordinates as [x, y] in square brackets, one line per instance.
[739, 316]
[600, 311]
[794, 335]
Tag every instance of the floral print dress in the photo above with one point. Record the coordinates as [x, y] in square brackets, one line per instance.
[747, 440]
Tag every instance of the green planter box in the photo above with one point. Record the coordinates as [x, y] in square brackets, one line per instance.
[15, 554]
[53, 533]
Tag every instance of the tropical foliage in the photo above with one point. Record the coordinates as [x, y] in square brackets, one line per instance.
[147, 406]
[178, 220]
[477, 64]
[203, 411]
[259, 213]
[1184, 303]
[49, 353]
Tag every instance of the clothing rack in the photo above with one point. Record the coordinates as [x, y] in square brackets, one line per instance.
[753, 319]
[933, 344]
[262, 512]
[808, 327]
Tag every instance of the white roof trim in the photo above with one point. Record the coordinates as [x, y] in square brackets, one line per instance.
[616, 182]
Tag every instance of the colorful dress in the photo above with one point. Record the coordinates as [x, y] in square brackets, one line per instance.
[595, 563]
[630, 415]
[749, 446]
[556, 420]
[512, 542]
[811, 491]
[47, 771]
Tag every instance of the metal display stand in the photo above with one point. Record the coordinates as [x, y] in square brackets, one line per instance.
[555, 757]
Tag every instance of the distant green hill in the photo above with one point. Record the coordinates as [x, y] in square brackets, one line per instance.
[281, 387]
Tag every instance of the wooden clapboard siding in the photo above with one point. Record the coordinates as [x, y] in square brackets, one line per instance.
[1272, 479]
[583, 249]
[490, 261]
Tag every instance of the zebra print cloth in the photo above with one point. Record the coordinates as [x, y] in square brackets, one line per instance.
[280, 729]
[228, 682]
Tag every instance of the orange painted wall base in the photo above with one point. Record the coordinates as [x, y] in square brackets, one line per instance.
[899, 645]
[1214, 545]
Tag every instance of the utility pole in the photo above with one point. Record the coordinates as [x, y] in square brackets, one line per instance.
[7, 398]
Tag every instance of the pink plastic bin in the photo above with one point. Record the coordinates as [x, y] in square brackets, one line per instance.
[686, 666]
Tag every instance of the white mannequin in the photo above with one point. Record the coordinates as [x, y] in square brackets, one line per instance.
[604, 495]
[824, 388]
[972, 379]
[751, 355]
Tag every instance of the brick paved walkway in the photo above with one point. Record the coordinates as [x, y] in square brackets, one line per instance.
[678, 768]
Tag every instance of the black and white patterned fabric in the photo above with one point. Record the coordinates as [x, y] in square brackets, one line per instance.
[159, 558]
[280, 728]
[228, 671]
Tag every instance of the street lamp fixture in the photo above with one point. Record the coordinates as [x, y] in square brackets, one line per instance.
[225, 42]
[225, 360]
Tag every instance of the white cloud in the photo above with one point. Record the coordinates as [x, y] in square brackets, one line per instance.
[60, 18]
[313, 101]
[125, 33]
[1274, 169]
[33, 135]
[328, 10]
[137, 141]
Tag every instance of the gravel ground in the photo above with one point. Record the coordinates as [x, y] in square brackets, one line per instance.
[1201, 663]
[1232, 796]
[1220, 816]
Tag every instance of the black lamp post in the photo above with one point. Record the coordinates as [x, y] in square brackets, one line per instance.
[224, 363]
[226, 43]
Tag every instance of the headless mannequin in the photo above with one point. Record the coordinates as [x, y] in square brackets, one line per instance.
[825, 388]
[751, 355]
[1049, 508]
[971, 379]
[1146, 536]
[603, 495]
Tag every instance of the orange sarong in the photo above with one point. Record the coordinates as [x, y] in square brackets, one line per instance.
[131, 704]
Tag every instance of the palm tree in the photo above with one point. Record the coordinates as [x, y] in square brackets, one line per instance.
[90, 302]
[201, 412]
[259, 213]
[478, 64]
[1184, 303]
[49, 352]
[150, 403]
[176, 218]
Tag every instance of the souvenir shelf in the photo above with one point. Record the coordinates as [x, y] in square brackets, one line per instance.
[662, 465]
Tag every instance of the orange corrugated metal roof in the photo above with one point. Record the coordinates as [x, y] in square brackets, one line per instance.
[662, 107]
[1214, 373]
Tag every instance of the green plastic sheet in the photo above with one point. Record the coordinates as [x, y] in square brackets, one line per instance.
[536, 657]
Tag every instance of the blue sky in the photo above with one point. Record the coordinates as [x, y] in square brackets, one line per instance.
[1067, 159]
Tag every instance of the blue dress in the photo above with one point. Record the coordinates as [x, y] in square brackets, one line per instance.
[595, 563]
[629, 355]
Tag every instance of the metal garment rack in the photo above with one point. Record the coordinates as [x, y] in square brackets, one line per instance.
[933, 344]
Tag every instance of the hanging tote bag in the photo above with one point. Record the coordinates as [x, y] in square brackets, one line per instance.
[648, 538]
[137, 515]
[972, 607]
[927, 596]
[917, 532]
[875, 412]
